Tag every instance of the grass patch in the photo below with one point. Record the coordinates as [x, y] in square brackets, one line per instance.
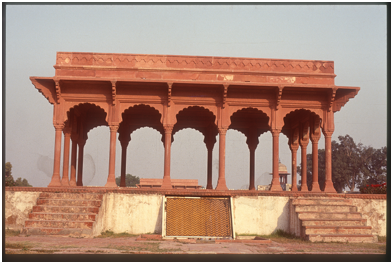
[9, 232]
[18, 245]
[148, 247]
[114, 235]
[278, 236]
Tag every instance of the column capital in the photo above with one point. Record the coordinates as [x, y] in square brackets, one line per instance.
[114, 127]
[58, 127]
[327, 134]
[275, 132]
[222, 130]
[168, 128]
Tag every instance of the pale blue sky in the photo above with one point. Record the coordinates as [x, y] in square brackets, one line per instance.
[354, 37]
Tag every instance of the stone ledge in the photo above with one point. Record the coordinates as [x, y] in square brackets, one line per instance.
[198, 192]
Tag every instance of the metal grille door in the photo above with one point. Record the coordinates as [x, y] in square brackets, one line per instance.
[204, 217]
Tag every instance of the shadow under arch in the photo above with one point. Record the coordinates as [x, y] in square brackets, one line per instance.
[295, 117]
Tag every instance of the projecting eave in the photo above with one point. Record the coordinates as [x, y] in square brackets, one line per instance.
[46, 86]
[342, 96]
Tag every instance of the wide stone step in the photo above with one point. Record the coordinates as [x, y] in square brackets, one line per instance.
[342, 238]
[329, 215]
[325, 208]
[59, 224]
[62, 216]
[333, 222]
[327, 201]
[65, 209]
[345, 230]
[57, 231]
[71, 196]
[64, 202]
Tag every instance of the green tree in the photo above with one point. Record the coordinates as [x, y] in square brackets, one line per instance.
[130, 180]
[9, 180]
[22, 183]
[353, 165]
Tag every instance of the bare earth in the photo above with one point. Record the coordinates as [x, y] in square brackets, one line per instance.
[279, 248]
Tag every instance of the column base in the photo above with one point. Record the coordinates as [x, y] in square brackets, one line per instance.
[276, 187]
[294, 188]
[329, 187]
[65, 182]
[221, 187]
[166, 184]
[111, 182]
[304, 187]
[56, 181]
[72, 183]
[315, 187]
[210, 187]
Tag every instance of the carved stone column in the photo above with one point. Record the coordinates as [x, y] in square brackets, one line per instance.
[56, 181]
[210, 142]
[81, 143]
[111, 178]
[294, 145]
[221, 184]
[167, 157]
[276, 186]
[315, 136]
[304, 140]
[252, 143]
[72, 181]
[329, 187]
[124, 140]
[65, 164]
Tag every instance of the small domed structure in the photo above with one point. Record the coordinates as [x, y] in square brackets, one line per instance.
[283, 172]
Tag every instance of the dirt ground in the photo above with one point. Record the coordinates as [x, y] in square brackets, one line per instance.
[19, 247]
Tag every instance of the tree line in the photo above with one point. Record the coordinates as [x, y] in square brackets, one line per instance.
[353, 165]
[9, 179]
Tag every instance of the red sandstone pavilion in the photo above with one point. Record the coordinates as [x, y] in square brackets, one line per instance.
[210, 94]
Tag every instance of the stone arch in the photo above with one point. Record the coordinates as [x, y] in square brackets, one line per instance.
[74, 105]
[180, 109]
[245, 118]
[296, 116]
[201, 119]
[125, 108]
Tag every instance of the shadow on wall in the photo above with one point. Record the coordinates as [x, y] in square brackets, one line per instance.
[159, 222]
[283, 219]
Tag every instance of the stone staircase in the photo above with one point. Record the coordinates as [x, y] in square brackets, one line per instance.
[330, 220]
[63, 213]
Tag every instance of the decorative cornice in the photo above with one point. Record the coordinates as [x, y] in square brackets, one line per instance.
[192, 62]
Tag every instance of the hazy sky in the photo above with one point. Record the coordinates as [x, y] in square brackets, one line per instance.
[354, 37]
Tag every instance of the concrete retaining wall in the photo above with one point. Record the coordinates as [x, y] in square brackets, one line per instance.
[18, 205]
[261, 215]
[142, 213]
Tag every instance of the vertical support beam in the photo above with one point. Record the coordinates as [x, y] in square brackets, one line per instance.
[294, 145]
[56, 181]
[65, 164]
[275, 181]
[81, 143]
[315, 136]
[167, 157]
[111, 177]
[221, 184]
[252, 143]
[304, 140]
[72, 181]
[124, 145]
[329, 187]
[209, 142]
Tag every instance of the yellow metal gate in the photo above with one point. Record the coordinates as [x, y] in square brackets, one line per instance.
[198, 217]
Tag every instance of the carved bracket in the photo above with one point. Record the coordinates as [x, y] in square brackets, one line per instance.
[169, 99]
[113, 90]
[278, 96]
[58, 90]
[225, 91]
[332, 98]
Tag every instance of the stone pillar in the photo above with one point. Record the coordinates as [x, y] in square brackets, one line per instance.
[294, 145]
[72, 181]
[167, 157]
[111, 178]
[329, 187]
[65, 164]
[124, 145]
[315, 136]
[304, 140]
[221, 184]
[209, 141]
[252, 142]
[275, 181]
[81, 143]
[56, 181]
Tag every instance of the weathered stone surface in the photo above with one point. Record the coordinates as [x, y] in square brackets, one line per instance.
[18, 205]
